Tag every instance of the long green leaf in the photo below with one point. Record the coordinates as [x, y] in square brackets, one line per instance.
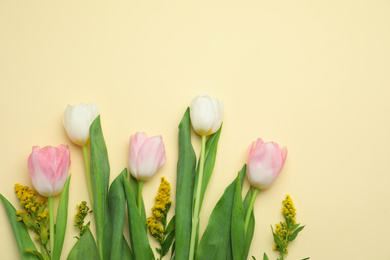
[215, 242]
[138, 235]
[210, 155]
[295, 233]
[100, 175]
[134, 186]
[22, 237]
[238, 225]
[251, 226]
[85, 248]
[61, 221]
[184, 188]
[113, 232]
[126, 251]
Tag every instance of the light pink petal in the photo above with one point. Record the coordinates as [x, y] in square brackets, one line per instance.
[135, 144]
[151, 157]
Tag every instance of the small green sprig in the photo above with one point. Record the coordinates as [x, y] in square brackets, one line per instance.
[285, 232]
[82, 212]
[157, 224]
[35, 215]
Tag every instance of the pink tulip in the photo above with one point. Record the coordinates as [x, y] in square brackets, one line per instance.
[265, 161]
[146, 155]
[49, 169]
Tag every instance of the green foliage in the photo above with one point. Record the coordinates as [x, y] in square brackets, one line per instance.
[209, 162]
[100, 175]
[22, 237]
[85, 248]
[61, 221]
[215, 242]
[184, 188]
[113, 229]
[238, 225]
[138, 236]
[251, 226]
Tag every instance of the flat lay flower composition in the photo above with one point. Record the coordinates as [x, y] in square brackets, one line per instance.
[230, 226]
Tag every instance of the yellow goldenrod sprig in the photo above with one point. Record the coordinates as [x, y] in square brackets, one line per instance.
[286, 231]
[157, 224]
[35, 215]
[82, 212]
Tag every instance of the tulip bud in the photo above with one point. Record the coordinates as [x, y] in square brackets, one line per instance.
[265, 161]
[146, 155]
[49, 169]
[206, 114]
[77, 121]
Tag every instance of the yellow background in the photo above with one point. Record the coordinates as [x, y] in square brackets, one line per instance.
[310, 75]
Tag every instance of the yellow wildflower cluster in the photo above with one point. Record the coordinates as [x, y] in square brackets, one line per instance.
[157, 223]
[35, 216]
[162, 200]
[82, 212]
[281, 231]
[155, 227]
[288, 210]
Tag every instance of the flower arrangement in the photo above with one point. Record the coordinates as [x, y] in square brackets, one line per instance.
[230, 226]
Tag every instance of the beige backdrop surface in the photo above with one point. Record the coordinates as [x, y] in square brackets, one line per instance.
[309, 75]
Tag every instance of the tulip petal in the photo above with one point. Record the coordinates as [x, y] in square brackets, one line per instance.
[135, 144]
[151, 157]
[49, 169]
[265, 161]
[77, 121]
[206, 114]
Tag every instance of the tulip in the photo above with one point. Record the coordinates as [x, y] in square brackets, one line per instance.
[146, 156]
[77, 121]
[265, 161]
[49, 169]
[206, 114]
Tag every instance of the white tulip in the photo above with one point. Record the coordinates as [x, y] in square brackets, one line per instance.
[77, 121]
[206, 114]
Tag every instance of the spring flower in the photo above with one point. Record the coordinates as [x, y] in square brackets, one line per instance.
[206, 114]
[49, 169]
[265, 161]
[146, 155]
[77, 120]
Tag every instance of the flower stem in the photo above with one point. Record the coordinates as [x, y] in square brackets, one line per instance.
[140, 196]
[195, 216]
[51, 218]
[88, 173]
[250, 208]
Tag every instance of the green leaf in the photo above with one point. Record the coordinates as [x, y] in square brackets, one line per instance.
[265, 257]
[138, 236]
[210, 155]
[113, 232]
[39, 255]
[61, 221]
[184, 188]
[100, 175]
[277, 240]
[215, 242]
[168, 242]
[171, 226]
[22, 237]
[134, 184]
[238, 225]
[251, 226]
[306, 258]
[85, 248]
[126, 251]
[295, 233]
